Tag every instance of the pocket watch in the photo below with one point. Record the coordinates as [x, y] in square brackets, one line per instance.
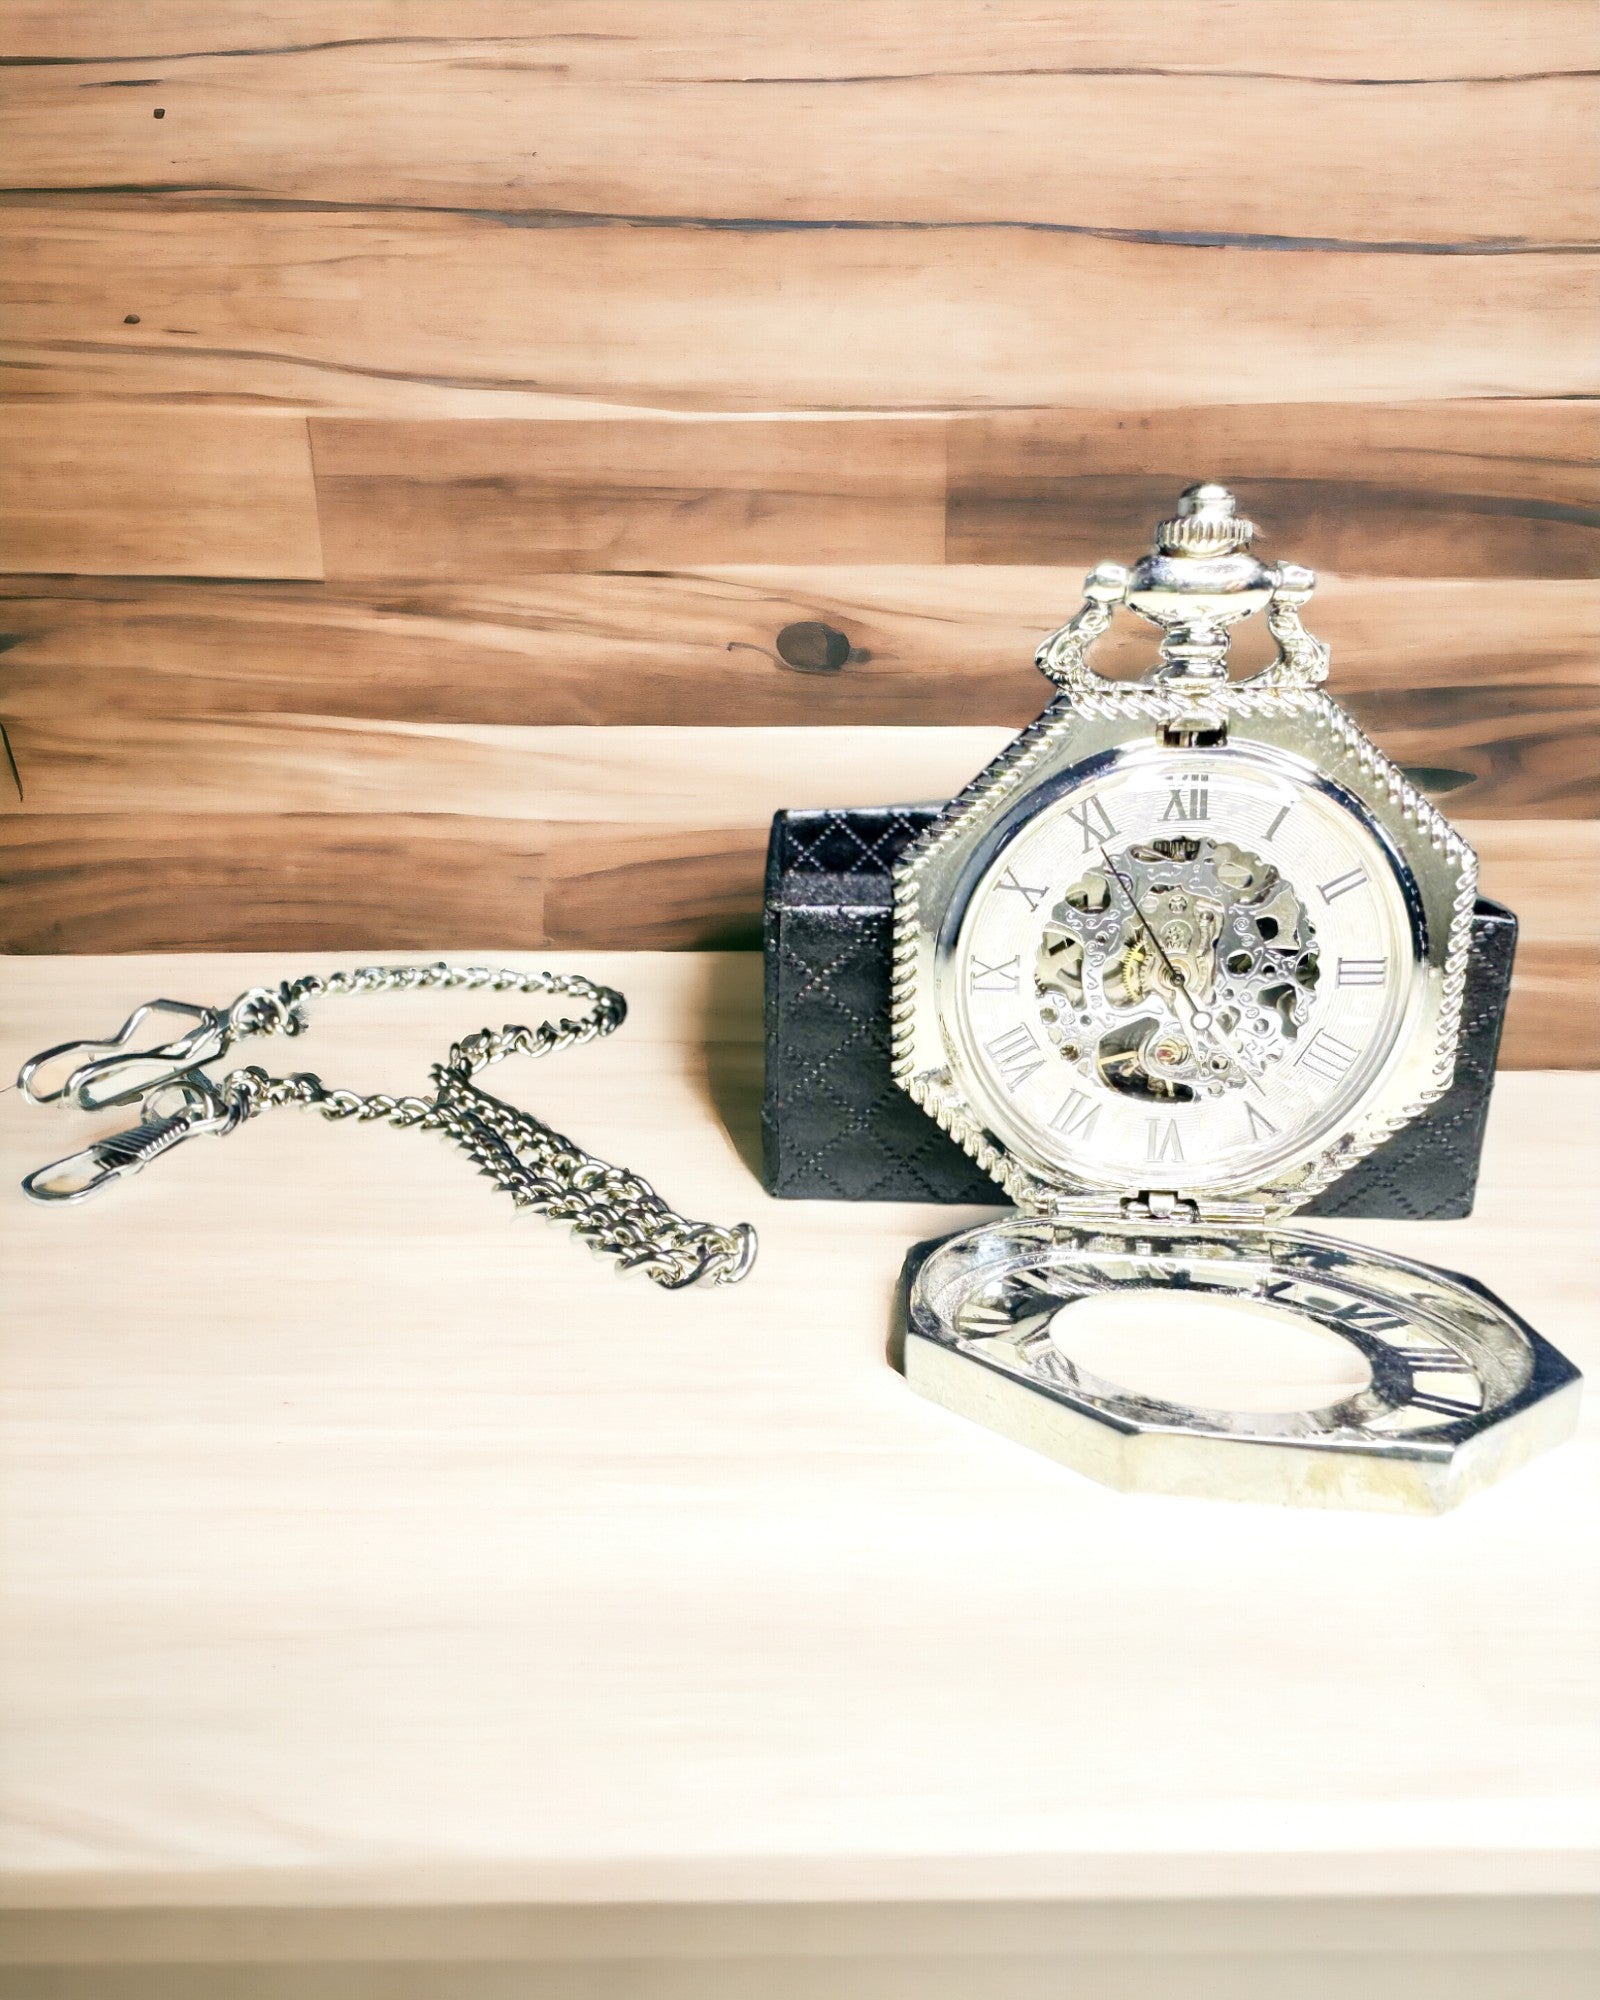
[1185, 953]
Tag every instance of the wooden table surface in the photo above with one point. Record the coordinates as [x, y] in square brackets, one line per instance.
[367, 1544]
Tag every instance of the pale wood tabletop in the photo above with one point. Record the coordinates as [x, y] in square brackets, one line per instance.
[367, 1542]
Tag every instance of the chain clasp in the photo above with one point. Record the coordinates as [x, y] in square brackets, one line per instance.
[200, 1107]
[207, 1037]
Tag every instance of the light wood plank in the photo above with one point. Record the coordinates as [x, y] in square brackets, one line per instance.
[295, 882]
[1492, 684]
[697, 646]
[421, 502]
[1550, 875]
[367, 1545]
[158, 493]
[436, 314]
[678, 887]
[139, 757]
[163, 882]
[1367, 42]
[1423, 490]
[731, 777]
[709, 112]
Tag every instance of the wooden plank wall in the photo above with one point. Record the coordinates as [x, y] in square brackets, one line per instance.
[469, 464]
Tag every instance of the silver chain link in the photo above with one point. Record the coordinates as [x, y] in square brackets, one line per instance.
[611, 1208]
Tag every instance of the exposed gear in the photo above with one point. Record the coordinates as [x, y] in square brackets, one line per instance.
[1230, 930]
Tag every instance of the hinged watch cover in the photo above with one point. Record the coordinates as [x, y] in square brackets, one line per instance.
[1187, 954]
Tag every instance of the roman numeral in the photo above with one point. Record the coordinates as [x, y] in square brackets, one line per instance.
[1444, 1406]
[1326, 1056]
[1364, 1318]
[1093, 822]
[1016, 1055]
[1032, 897]
[1261, 1126]
[1278, 819]
[1000, 978]
[1434, 1361]
[1363, 971]
[1193, 802]
[1075, 1119]
[1161, 1140]
[1302, 1296]
[1341, 885]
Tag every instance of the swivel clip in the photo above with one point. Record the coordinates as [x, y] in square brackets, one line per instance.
[181, 1107]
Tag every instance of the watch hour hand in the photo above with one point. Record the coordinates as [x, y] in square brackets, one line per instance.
[1143, 921]
[1195, 1018]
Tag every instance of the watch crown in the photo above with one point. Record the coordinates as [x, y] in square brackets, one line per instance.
[1207, 524]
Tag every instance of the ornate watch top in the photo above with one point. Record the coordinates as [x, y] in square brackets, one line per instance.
[1198, 580]
[1208, 523]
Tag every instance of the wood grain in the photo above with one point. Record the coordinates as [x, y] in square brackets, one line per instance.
[773, 115]
[342, 1498]
[1446, 489]
[753, 382]
[353, 312]
[1369, 43]
[1493, 681]
[731, 777]
[157, 881]
[935, 644]
[180, 882]
[167, 881]
[138, 492]
[418, 502]
[1433, 489]
[1550, 875]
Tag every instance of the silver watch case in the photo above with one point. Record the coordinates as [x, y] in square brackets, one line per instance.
[1314, 742]
[1462, 1389]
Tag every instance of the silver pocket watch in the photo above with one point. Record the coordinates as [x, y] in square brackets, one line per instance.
[1184, 954]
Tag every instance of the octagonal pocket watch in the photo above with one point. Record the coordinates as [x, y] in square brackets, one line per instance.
[1184, 954]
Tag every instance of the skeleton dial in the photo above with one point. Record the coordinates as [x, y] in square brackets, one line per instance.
[1186, 971]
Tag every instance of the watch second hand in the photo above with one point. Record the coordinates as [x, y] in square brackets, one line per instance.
[1199, 1022]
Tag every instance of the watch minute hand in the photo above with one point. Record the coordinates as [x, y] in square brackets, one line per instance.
[1144, 922]
[1198, 1022]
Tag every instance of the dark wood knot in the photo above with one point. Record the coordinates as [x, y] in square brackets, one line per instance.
[809, 647]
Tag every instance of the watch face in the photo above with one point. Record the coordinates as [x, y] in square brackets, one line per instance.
[1187, 969]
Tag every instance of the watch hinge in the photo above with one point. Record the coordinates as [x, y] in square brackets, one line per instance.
[1182, 736]
[1159, 1205]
